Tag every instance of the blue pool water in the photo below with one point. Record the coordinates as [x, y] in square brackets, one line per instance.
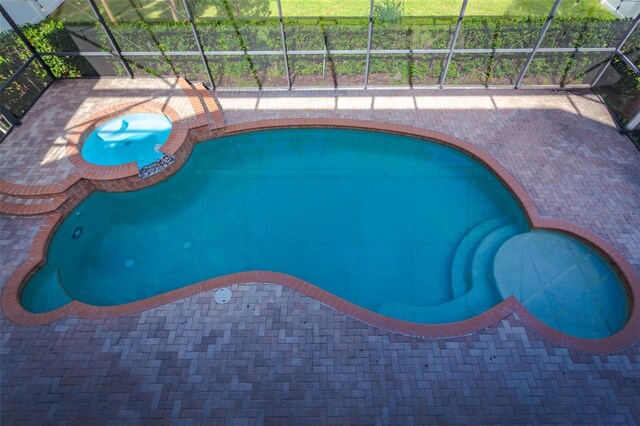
[129, 138]
[410, 229]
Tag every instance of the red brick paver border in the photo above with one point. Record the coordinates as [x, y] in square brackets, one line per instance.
[83, 177]
[625, 337]
[95, 172]
[275, 356]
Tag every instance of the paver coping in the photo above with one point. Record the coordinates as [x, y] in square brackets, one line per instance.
[627, 336]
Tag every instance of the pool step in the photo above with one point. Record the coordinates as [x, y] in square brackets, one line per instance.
[207, 111]
[467, 306]
[483, 243]
[462, 260]
[214, 114]
[24, 206]
[482, 265]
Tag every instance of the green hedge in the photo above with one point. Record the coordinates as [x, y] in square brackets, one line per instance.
[349, 33]
[25, 89]
[341, 34]
[47, 36]
[411, 33]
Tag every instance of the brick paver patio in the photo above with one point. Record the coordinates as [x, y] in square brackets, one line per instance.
[35, 154]
[272, 355]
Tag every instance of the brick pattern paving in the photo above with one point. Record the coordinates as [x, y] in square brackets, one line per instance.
[16, 236]
[275, 356]
[35, 152]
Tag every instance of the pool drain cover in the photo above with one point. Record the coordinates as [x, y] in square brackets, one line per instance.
[77, 233]
[223, 295]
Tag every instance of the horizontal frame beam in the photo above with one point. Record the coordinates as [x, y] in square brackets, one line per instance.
[434, 87]
[337, 52]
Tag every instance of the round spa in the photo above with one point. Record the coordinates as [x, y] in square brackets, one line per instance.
[128, 138]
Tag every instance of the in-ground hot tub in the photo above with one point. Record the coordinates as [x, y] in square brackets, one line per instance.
[128, 138]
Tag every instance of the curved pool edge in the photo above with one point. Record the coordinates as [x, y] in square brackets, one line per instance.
[629, 334]
[96, 172]
[87, 177]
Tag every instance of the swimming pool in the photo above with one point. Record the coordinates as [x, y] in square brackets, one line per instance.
[409, 229]
[128, 138]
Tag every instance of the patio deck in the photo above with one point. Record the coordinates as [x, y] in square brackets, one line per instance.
[274, 354]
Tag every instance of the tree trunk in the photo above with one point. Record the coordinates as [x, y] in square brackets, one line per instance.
[172, 6]
[109, 13]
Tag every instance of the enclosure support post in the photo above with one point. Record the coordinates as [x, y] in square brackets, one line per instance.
[543, 31]
[633, 123]
[196, 35]
[443, 76]
[366, 68]
[284, 46]
[618, 47]
[112, 41]
[628, 62]
[24, 39]
[12, 119]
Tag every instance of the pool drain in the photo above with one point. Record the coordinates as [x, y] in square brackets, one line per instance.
[223, 295]
[77, 233]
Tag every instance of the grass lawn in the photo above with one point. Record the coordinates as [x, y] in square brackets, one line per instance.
[445, 8]
[131, 10]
